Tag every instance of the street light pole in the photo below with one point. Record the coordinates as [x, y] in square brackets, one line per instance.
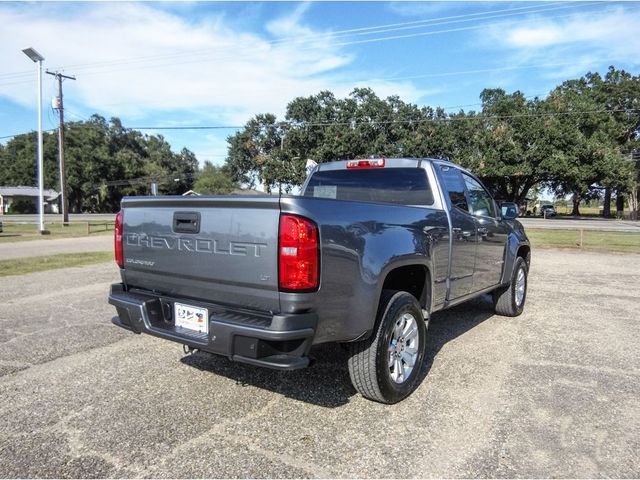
[37, 58]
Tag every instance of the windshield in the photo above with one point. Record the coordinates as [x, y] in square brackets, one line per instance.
[405, 186]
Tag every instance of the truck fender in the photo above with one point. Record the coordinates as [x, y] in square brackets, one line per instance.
[515, 242]
[425, 296]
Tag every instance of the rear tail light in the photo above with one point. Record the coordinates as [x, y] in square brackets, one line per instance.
[117, 239]
[298, 258]
[371, 163]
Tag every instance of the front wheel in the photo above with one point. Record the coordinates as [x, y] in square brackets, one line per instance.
[386, 367]
[509, 301]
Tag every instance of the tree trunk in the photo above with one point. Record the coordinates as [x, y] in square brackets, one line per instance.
[520, 195]
[619, 204]
[576, 204]
[606, 209]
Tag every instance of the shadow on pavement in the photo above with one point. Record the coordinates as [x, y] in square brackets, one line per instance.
[327, 382]
[449, 324]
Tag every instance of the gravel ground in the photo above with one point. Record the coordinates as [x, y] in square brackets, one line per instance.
[34, 248]
[553, 393]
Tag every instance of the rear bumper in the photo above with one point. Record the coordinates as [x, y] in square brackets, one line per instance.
[276, 341]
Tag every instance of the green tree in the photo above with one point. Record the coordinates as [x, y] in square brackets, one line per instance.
[593, 139]
[213, 180]
[104, 161]
[511, 144]
[253, 148]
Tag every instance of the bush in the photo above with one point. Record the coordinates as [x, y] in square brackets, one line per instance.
[22, 206]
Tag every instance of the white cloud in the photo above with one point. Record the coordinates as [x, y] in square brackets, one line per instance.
[290, 25]
[573, 44]
[133, 60]
[613, 29]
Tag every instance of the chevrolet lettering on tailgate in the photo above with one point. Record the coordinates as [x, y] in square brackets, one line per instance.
[199, 245]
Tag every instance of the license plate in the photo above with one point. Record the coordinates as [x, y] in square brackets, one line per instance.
[193, 318]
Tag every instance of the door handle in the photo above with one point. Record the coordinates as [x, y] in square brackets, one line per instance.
[186, 222]
[459, 231]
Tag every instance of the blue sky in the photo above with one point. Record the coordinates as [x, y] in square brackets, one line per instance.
[206, 63]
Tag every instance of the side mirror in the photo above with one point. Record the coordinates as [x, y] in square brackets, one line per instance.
[509, 210]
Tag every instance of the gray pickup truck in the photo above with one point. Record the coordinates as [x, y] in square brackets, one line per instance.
[364, 256]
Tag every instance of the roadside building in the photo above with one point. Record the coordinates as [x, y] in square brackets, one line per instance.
[25, 200]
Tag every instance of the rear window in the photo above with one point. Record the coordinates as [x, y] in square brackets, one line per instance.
[405, 186]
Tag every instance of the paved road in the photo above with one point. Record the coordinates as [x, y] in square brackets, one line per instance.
[50, 217]
[34, 248]
[532, 222]
[553, 393]
[585, 223]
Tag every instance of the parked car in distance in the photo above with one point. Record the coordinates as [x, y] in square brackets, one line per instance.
[547, 210]
[363, 257]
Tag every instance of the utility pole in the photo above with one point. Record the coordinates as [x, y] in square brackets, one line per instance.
[63, 180]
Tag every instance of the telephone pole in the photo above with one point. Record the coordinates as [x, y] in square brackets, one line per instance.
[63, 180]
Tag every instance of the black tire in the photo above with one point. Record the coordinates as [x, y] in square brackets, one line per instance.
[505, 299]
[369, 360]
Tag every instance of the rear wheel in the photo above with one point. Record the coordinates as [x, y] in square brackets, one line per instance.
[509, 301]
[386, 367]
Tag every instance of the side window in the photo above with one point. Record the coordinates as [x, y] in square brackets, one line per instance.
[454, 186]
[480, 201]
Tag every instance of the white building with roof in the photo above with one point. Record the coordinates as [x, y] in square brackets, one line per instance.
[11, 195]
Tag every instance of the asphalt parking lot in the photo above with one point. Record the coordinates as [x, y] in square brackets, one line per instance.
[553, 393]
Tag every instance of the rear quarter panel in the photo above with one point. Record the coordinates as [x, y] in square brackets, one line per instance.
[360, 244]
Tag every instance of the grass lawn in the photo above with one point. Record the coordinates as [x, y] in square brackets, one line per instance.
[20, 266]
[593, 240]
[18, 232]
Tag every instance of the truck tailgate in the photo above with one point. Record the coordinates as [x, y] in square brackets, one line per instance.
[214, 249]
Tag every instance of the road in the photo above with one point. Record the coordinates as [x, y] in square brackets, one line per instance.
[584, 223]
[50, 217]
[34, 248]
[553, 393]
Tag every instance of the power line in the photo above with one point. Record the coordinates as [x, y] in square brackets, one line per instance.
[27, 133]
[293, 124]
[482, 70]
[296, 40]
[236, 55]
[480, 116]
[418, 23]
[451, 30]
[354, 31]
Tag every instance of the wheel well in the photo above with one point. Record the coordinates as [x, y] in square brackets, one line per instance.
[525, 252]
[411, 279]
